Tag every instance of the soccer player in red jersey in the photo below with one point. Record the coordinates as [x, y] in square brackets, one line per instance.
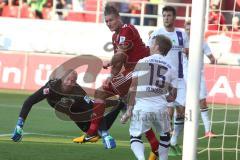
[128, 50]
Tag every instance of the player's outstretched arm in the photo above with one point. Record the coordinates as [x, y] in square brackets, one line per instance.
[212, 59]
[131, 102]
[27, 105]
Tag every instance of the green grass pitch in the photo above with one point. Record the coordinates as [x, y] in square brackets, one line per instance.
[47, 137]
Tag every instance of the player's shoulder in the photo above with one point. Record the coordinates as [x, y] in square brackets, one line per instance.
[158, 31]
[79, 90]
[150, 58]
[127, 27]
[144, 60]
[181, 30]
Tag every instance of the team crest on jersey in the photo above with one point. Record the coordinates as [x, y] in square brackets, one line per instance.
[46, 91]
[173, 41]
[122, 39]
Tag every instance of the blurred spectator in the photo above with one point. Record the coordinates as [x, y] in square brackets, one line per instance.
[235, 24]
[2, 4]
[77, 5]
[69, 4]
[60, 5]
[152, 9]
[124, 8]
[9, 3]
[216, 20]
[37, 7]
[135, 9]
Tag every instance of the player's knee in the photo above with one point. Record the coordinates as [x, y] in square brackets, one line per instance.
[180, 111]
[203, 104]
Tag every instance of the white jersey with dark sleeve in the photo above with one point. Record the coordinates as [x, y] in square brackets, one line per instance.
[179, 41]
[155, 74]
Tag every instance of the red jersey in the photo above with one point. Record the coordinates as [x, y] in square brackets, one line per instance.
[129, 37]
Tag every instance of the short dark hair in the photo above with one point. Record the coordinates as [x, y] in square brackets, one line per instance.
[109, 9]
[169, 9]
[164, 43]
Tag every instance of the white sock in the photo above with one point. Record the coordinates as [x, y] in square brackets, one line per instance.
[178, 127]
[163, 148]
[137, 148]
[173, 140]
[205, 119]
[163, 152]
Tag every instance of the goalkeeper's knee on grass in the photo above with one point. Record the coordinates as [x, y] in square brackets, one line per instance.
[18, 131]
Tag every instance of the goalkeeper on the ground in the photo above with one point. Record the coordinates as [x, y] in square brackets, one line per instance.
[67, 97]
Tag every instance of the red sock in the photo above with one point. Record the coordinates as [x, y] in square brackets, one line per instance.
[98, 111]
[152, 140]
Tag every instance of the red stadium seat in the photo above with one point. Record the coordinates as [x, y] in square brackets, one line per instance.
[10, 11]
[91, 5]
[26, 12]
[46, 13]
[74, 16]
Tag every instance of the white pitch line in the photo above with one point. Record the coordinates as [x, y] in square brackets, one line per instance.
[10, 134]
[51, 135]
[5, 135]
[200, 149]
[40, 134]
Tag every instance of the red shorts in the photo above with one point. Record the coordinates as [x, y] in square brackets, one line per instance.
[120, 83]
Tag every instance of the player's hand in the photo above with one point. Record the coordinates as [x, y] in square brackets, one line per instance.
[17, 134]
[170, 98]
[213, 61]
[18, 131]
[126, 116]
[186, 51]
[105, 66]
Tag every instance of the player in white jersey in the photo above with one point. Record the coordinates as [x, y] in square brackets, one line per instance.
[154, 84]
[180, 41]
[203, 90]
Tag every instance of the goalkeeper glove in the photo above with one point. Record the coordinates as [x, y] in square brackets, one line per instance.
[109, 142]
[18, 131]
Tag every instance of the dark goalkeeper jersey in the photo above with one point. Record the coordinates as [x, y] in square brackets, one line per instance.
[69, 103]
[76, 105]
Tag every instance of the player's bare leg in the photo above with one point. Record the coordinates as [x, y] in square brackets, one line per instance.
[205, 118]
[171, 112]
[178, 127]
[98, 111]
